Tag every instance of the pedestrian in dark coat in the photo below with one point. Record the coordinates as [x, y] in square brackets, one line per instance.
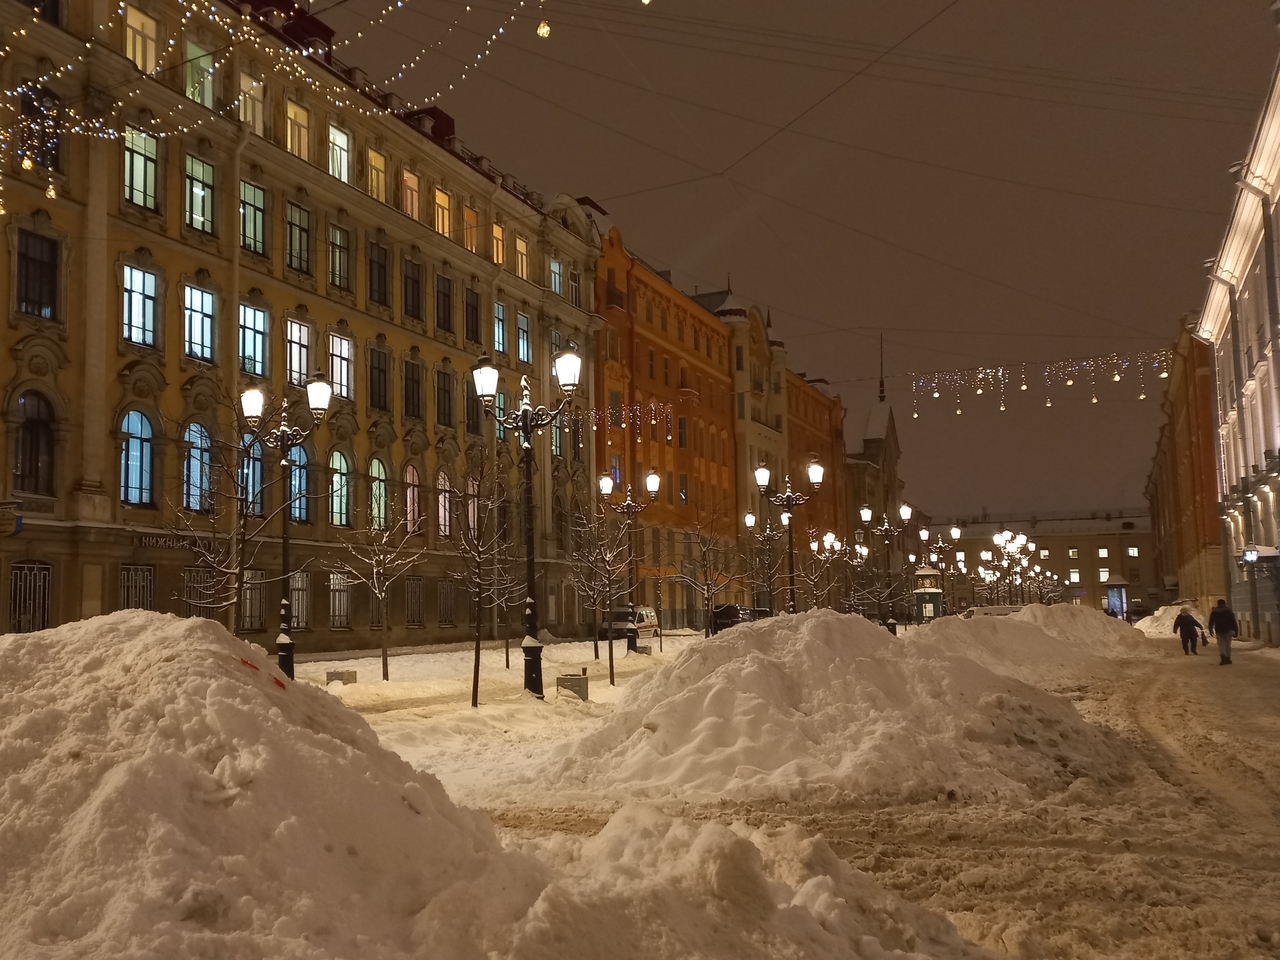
[1223, 626]
[1188, 628]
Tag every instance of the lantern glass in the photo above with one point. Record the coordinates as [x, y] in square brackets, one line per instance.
[762, 477]
[815, 473]
[652, 482]
[252, 402]
[865, 513]
[606, 485]
[485, 376]
[566, 366]
[904, 512]
[749, 520]
[319, 393]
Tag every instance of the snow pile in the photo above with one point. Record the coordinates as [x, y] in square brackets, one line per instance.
[1160, 623]
[822, 705]
[1014, 648]
[166, 795]
[1090, 629]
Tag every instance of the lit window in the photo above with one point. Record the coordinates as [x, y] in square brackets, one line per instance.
[470, 228]
[198, 323]
[499, 412]
[522, 258]
[410, 194]
[557, 277]
[500, 328]
[444, 505]
[251, 476]
[197, 469]
[340, 366]
[253, 340]
[1102, 553]
[339, 154]
[199, 75]
[1133, 551]
[339, 512]
[139, 306]
[298, 132]
[199, 195]
[298, 357]
[299, 506]
[1074, 576]
[377, 176]
[135, 459]
[1044, 554]
[253, 218]
[140, 39]
[140, 168]
[1073, 553]
[499, 244]
[412, 499]
[1103, 574]
[959, 556]
[253, 96]
[442, 220]
[377, 495]
[524, 347]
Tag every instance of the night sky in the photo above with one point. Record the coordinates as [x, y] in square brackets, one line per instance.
[981, 182]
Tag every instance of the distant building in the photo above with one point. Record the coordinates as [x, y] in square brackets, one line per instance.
[815, 431]
[1182, 485]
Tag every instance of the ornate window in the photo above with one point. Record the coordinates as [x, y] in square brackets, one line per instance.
[299, 505]
[444, 505]
[197, 468]
[135, 459]
[339, 508]
[33, 471]
[377, 495]
[251, 476]
[412, 498]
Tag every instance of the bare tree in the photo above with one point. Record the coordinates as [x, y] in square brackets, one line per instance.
[481, 536]
[818, 568]
[598, 564]
[378, 556]
[707, 563]
[763, 563]
[875, 588]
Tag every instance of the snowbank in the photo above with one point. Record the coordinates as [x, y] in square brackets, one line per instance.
[1090, 629]
[166, 795]
[821, 705]
[1013, 648]
[1160, 623]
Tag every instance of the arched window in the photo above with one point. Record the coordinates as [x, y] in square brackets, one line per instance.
[251, 476]
[339, 509]
[377, 495]
[299, 505]
[196, 469]
[444, 505]
[33, 472]
[135, 459]
[473, 506]
[412, 498]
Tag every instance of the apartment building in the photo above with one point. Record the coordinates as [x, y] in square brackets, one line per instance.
[204, 201]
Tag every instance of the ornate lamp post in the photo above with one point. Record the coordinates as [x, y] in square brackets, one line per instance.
[284, 437]
[566, 367]
[788, 500]
[630, 510]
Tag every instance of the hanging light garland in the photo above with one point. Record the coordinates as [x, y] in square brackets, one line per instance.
[977, 381]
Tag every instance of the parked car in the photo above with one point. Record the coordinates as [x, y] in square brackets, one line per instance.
[726, 615]
[990, 611]
[634, 624]
[761, 613]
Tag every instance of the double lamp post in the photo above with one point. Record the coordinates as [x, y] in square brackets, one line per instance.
[788, 500]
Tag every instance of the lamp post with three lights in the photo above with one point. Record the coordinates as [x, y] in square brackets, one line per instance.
[630, 510]
[526, 420]
[284, 437]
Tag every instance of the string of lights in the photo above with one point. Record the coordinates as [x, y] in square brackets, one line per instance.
[1019, 378]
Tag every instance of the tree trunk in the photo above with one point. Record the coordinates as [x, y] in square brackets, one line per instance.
[386, 667]
[475, 670]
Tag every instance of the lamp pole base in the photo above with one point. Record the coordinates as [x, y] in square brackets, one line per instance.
[284, 655]
[532, 666]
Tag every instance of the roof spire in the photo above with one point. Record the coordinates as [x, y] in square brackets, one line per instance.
[882, 368]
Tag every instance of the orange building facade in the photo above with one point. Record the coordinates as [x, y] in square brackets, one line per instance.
[815, 429]
[665, 389]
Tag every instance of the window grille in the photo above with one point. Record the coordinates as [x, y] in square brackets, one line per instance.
[29, 586]
[198, 592]
[339, 601]
[300, 599]
[253, 600]
[137, 587]
[413, 601]
[444, 602]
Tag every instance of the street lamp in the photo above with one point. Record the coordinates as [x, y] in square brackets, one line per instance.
[629, 509]
[284, 437]
[566, 368]
[764, 538]
[955, 533]
[789, 500]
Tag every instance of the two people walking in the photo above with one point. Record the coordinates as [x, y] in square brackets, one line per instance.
[1222, 627]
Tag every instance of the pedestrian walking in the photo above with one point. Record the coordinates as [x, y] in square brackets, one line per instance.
[1188, 628]
[1223, 626]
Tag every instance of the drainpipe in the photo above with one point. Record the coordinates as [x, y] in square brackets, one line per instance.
[1241, 422]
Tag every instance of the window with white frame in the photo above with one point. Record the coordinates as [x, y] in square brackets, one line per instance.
[339, 602]
[199, 74]
[300, 599]
[339, 154]
[499, 243]
[299, 505]
[500, 327]
[1103, 574]
[557, 277]
[1133, 551]
[140, 306]
[253, 102]
[410, 191]
[339, 488]
[340, 366]
[1073, 576]
[298, 354]
[524, 346]
[140, 151]
[253, 340]
[443, 221]
[298, 130]
[140, 39]
[197, 308]
[1102, 553]
[499, 413]
[377, 164]
[137, 587]
[199, 195]
[253, 218]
